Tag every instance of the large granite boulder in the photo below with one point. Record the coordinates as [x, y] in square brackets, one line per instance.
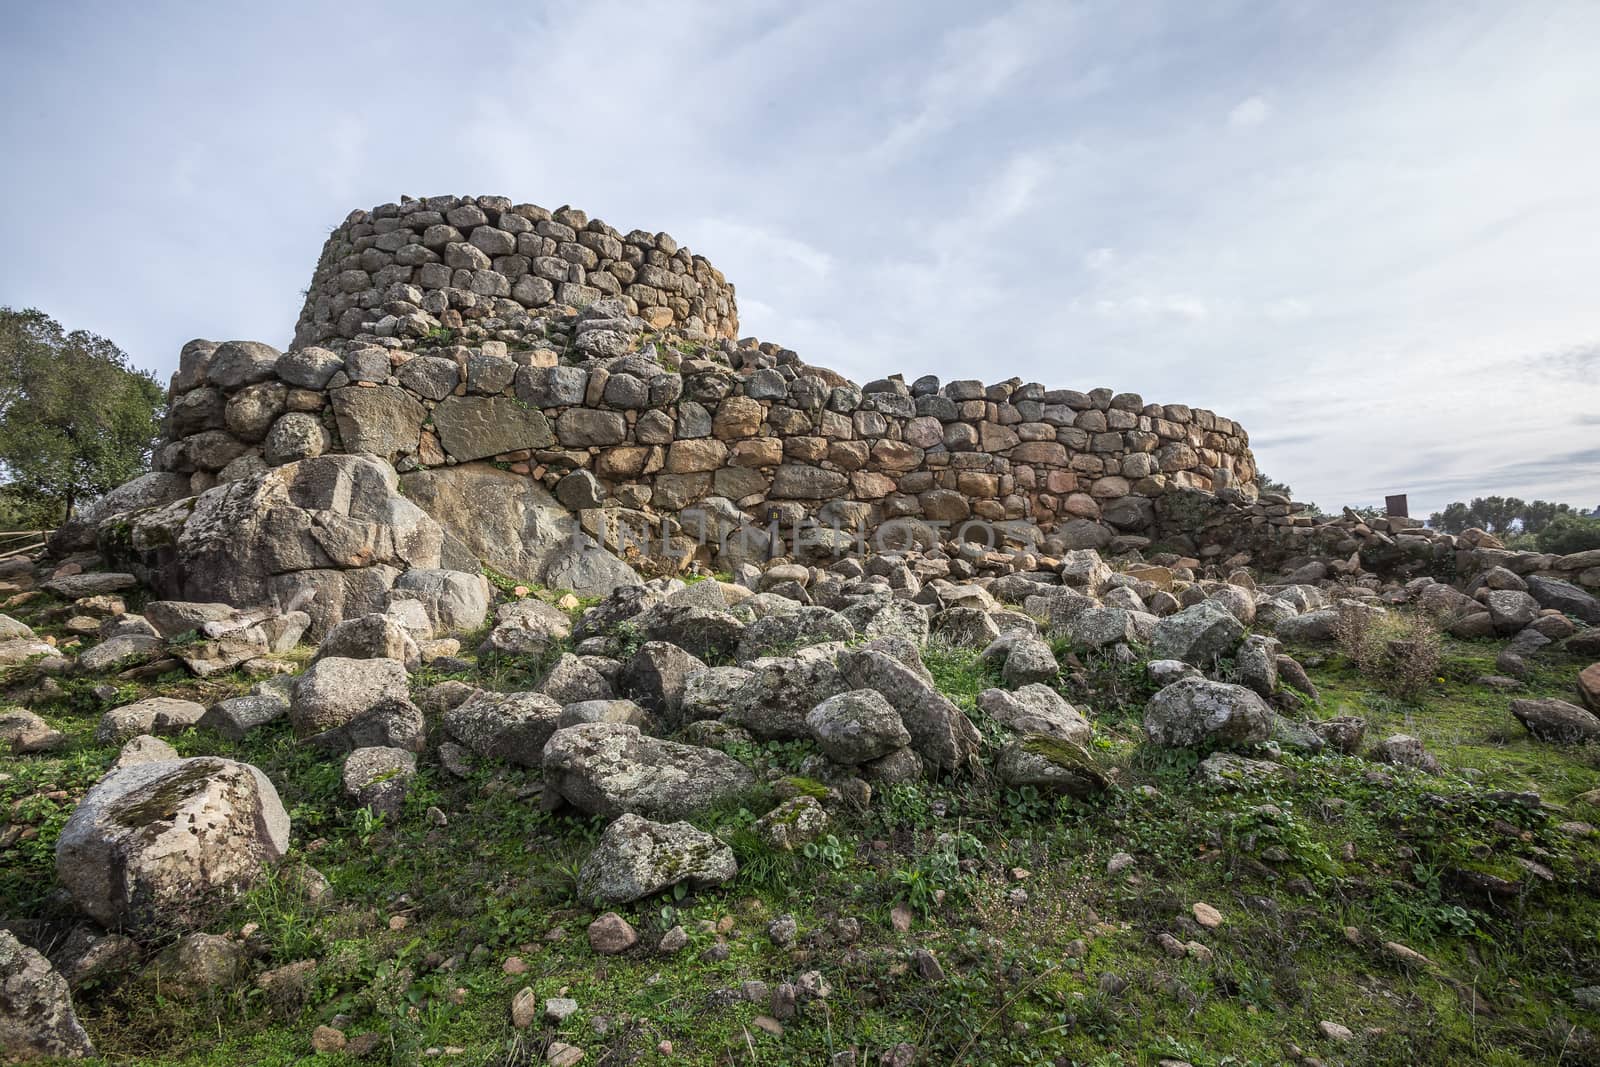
[773, 700]
[120, 652]
[656, 676]
[152, 715]
[1565, 597]
[528, 627]
[1311, 627]
[1557, 721]
[710, 693]
[612, 768]
[393, 722]
[572, 680]
[513, 524]
[636, 858]
[1510, 609]
[377, 777]
[888, 616]
[508, 726]
[1083, 569]
[1198, 711]
[780, 634]
[1028, 661]
[1198, 634]
[707, 632]
[587, 569]
[235, 717]
[1589, 687]
[235, 364]
[152, 490]
[1036, 709]
[1099, 627]
[92, 583]
[856, 727]
[476, 427]
[455, 601]
[17, 650]
[336, 526]
[1050, 765]
[373, 636]
[940, 733]
[335, 690]
[153, 844]
[23, 732]
[383, 421]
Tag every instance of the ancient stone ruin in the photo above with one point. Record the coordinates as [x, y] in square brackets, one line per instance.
[961, 625]
[554, 394]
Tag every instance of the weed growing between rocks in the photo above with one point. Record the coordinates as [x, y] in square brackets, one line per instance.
[1398, 653]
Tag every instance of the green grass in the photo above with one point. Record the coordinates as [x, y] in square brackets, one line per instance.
[1391, 855]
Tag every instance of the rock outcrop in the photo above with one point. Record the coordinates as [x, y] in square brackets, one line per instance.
[335, 526]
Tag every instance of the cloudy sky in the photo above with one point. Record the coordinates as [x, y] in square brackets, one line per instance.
[1368, 231]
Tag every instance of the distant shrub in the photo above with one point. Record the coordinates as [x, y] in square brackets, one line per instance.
[1400, 653]
[1569, 534]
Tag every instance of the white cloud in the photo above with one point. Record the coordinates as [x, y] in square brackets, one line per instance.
[1249, 112]
[1175, 306]
[741, 240]
[977, 62]
[1099, 259]
[1013, 189]
[1286, 308]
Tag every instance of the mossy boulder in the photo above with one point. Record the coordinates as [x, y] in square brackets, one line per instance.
[1051, 765]
[152, 844]
[637, 858]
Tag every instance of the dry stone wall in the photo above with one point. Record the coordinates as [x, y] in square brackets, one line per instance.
[649, 435]
[618, 417]
[484, 267]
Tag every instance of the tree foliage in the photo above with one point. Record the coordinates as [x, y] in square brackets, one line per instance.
[76, 419]
[1267, 484]
[1567, 534]
[1499, 515]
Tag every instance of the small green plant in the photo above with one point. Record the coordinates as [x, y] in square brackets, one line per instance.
[906, 806]
[503, 582]
[629, 639]
[1024, 805]
[365, 825]
[936, 875]
[828, 850]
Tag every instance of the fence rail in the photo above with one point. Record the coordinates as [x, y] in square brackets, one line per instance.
[20, 542]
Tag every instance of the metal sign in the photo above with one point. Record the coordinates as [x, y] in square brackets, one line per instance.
[1395, 506]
